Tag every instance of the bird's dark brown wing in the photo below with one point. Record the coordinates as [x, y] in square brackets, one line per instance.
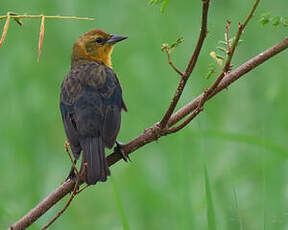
[111, 94]
[91, 102]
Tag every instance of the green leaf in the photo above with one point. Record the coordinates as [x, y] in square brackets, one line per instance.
[176, 43]
[276, 21]
[171, 47]
[163, 7]
[221, 49]
[211, 70]
[18, 20]
[265, 18]
[284, 21]
[220, 57]
[222, 43]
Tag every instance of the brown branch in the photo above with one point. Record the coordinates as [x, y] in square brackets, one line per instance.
[44, 205]
[190, 66]
[151, 134]
[76, 189]
[186, 121]
[225, 70]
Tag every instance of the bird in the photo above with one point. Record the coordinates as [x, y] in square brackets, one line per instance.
[91, 103]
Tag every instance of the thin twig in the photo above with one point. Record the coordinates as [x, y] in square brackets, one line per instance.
[46, 16]
[41, 36]
[241, 27]
[166, 48]
[82, 189]
[190, 66]
[227, 28]
[74, 193]
[66, 144]
[64, 208]
[5, 29]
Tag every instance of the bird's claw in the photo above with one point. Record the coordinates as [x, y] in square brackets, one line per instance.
[119, 149]
[72, 175]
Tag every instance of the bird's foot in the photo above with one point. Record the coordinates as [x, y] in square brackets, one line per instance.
[71, 175]
[119, 149]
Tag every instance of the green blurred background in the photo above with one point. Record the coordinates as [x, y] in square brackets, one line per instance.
[241, 137]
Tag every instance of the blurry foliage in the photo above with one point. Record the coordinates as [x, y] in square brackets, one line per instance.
[267, 18]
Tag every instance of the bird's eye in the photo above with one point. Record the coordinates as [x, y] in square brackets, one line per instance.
[99, 40]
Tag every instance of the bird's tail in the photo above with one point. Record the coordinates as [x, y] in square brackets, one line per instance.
[94, 155]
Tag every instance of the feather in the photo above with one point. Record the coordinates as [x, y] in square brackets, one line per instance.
[94, 156]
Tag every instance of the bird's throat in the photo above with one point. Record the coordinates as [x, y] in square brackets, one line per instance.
[104, 58]
[102, 54]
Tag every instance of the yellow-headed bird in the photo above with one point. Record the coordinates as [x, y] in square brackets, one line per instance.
[91, 102]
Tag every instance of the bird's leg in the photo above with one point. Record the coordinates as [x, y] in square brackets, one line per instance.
[119, 149]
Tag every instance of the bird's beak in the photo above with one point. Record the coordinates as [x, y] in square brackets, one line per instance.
[115, 38]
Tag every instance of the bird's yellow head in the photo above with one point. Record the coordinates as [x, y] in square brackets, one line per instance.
[95, 45]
